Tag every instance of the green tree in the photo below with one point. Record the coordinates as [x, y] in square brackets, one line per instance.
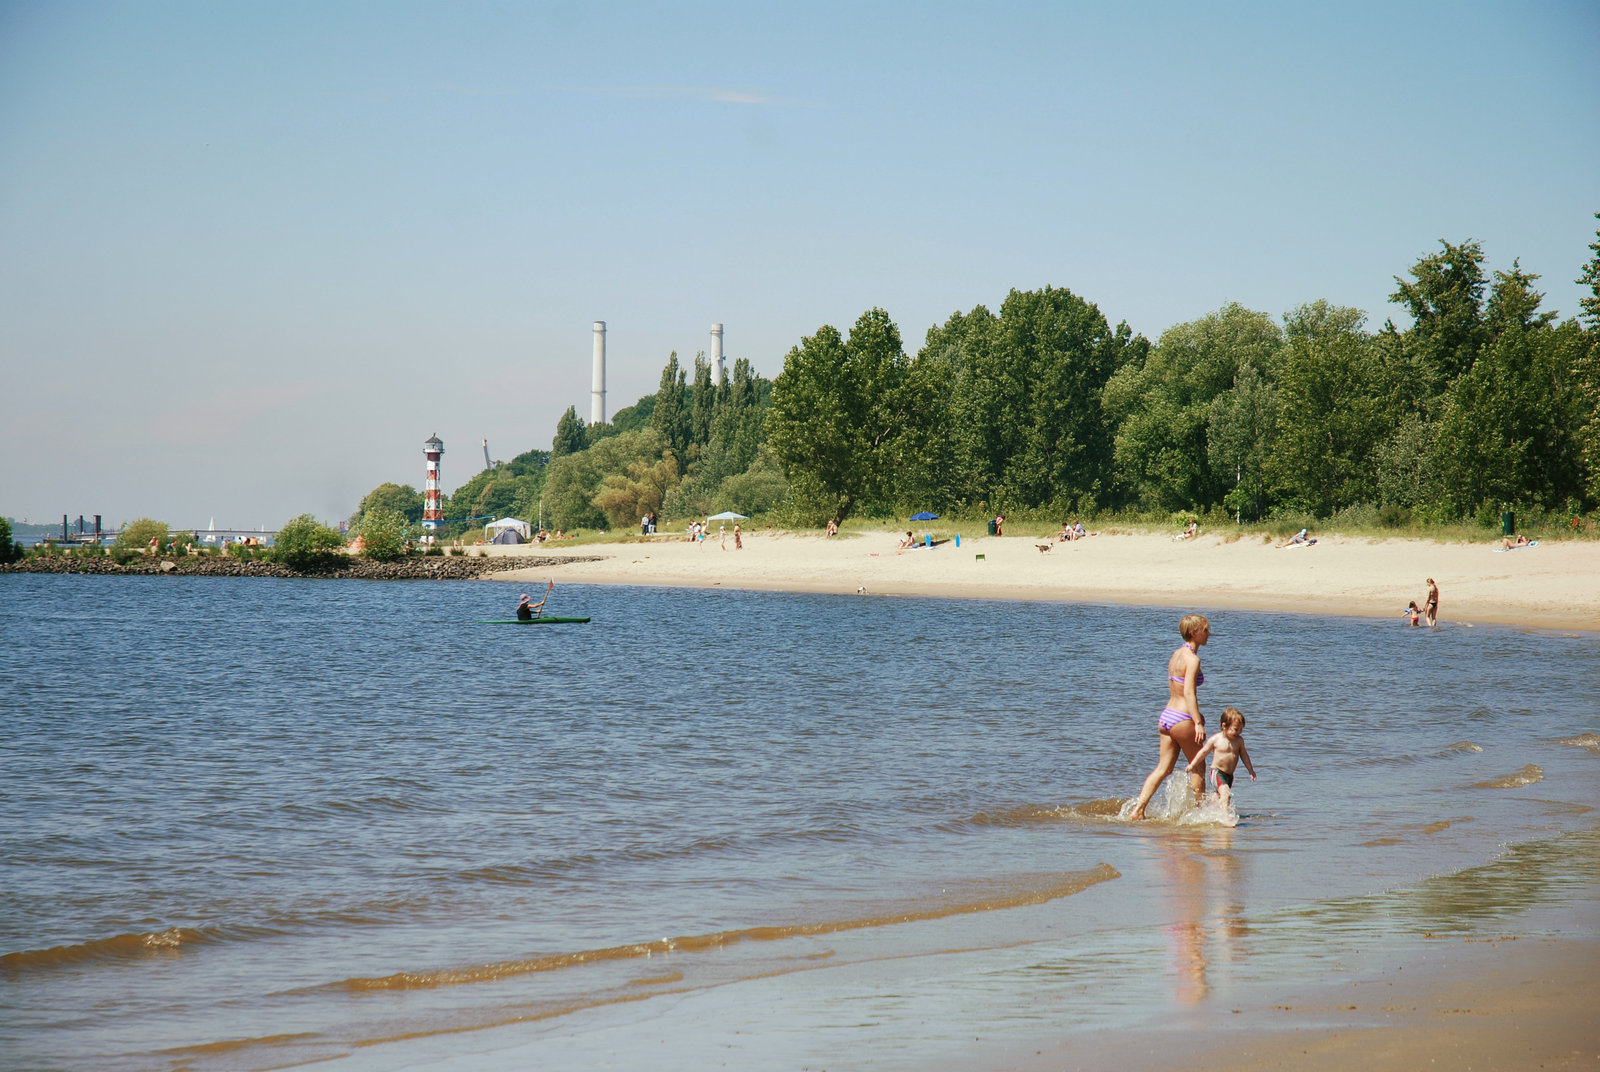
[1239, 433]
[670, 416]
[837, 410]
[1445, 299]
[10, 549]
[137, 534]
[626, 497]
[705, 402]
[634, 417]
[383, 535]
[1508, 432]
[1162, 404]
[304, 543]
[1591, 279]
[1586, 374]
[569, 434]
[402, 499]
[1334, 412]
[757, 490]
[575, 481]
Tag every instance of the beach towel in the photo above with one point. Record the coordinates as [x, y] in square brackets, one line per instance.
[1523, 547]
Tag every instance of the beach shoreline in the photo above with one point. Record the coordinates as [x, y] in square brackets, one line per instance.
[1552, 586]
[1490, 1004]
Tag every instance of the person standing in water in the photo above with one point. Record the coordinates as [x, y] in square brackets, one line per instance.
[1181, 727]
[1430, 611]
[1226, 750]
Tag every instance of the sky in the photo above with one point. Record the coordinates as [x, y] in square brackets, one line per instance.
[253, 255]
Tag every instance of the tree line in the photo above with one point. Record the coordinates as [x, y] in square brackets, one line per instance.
[1485, 401]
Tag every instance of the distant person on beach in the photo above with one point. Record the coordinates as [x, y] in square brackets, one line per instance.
[1189, 533]
[1511, 543]
[1000, 525]
[1415, 612]
[1299, 539]
[1226, 749]
[1430, 609]
[833, 527]
[722, 534]
[909, 541]
[738, 537]
[1181, 728]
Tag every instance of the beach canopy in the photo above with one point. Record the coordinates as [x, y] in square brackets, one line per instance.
[924, 516]
[727, 515]
[495, 528]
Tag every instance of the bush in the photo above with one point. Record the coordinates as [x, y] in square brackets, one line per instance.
[306, 543]
[136, 535]
[10, 549]
[383, 535]
[754, 492]
[1394, 517]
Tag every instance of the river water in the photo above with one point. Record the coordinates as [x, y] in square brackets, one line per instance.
[252, 824]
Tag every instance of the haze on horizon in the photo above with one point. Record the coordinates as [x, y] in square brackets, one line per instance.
[252, 256]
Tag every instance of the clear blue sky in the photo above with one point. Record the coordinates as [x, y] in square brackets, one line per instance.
[252, 255]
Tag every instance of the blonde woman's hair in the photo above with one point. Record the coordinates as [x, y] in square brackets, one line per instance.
[1232, 716]
[1192, 624]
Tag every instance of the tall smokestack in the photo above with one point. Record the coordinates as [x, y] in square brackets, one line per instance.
[716, 352]
[597, 396]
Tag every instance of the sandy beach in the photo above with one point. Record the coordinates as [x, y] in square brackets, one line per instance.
[1554, 585]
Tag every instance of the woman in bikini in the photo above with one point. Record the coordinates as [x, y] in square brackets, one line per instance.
[1181, 727]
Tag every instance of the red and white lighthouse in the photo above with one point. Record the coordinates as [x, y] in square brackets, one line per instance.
[432, 510]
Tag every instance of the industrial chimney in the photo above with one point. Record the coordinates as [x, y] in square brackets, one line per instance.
[597, 399]
[716, 353]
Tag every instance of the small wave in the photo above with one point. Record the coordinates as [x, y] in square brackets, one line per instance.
[1583, 740]
[1458, 748]
[1035, 814]
[118, 947]
[1014, 893]
[1526, 776]
[212, 1049]
[322, 809]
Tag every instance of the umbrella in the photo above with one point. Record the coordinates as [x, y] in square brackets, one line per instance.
[727, 515]
[924, 516]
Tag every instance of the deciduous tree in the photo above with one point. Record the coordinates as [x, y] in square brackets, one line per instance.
[837, 410]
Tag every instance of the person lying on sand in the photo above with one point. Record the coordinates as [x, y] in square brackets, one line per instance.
[1511, 543]
[1299, 539]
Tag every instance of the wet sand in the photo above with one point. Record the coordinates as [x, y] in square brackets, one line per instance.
[1555, 585]
[1489, 1006]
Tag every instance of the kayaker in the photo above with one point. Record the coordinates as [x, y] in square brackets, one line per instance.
[525, 609]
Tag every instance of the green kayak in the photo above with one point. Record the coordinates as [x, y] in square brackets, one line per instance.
[547, 620]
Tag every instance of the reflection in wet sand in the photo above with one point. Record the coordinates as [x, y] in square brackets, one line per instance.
[1206, 919]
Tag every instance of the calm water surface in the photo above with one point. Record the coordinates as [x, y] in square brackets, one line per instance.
[252, 824]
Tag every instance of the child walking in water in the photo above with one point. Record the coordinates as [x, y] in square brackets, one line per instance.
[1226, 750]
